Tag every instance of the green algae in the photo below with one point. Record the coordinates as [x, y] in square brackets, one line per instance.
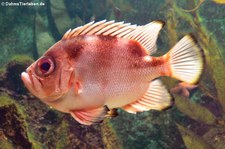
[43, 37]
[212, 80]
[6, 101]
[195, 111]
[143, 130]
[216, 137]
[5, 143]
[15, 67]
[64, 139]
[109, 136]
[21, 59]
[211, 49]
[191, 140]
[60, 15]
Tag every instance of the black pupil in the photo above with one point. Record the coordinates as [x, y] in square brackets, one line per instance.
[45, 66]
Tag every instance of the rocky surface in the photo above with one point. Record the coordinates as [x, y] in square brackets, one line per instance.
[12, 126]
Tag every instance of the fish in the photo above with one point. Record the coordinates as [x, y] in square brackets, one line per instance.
[102, 66]
[183, 89]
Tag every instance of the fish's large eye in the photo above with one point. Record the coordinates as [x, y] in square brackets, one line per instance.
[45, 66]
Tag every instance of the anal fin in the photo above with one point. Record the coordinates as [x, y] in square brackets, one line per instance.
[90, 116]
[157, 97]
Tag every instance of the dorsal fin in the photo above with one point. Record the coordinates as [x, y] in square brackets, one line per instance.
[146, 35]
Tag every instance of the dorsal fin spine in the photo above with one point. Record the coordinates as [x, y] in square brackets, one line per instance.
[92, 26]
[125, 32]
[84, 28]
[136, 32]
[113, 26]
[97, 27]
[73, 32]
[67, 33]
[138, 35]
[122, 29]
[146, 35]
[98, 30]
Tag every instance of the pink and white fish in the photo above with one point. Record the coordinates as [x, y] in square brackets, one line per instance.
[101, 66]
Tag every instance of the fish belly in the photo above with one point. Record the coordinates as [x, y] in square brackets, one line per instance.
[114, 89]
[119, 95]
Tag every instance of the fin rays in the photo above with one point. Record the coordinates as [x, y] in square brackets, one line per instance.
[146, 35]
[157, 97]
[186, 60]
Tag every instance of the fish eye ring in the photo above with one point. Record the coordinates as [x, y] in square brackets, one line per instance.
[45, 66]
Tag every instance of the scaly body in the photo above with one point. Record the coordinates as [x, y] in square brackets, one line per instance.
[106, 65]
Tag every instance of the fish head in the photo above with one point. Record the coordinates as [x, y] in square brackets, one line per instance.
[51, 76]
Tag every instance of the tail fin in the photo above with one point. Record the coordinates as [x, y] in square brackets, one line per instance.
[186, 60]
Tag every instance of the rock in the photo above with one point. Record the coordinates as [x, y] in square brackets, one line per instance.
[42, 130]
[49, 118]
[216, 137]
[147, 130]
[84, 136]
[15, 67]
[109, 136]
[12, 125]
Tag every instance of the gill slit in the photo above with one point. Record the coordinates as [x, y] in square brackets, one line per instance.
[40, 82]
[60, 78]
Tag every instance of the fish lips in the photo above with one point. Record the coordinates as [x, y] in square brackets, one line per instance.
[32, 84]
[27, 81]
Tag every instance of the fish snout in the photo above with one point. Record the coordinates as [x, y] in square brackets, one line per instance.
[27, 70]
[26, 79]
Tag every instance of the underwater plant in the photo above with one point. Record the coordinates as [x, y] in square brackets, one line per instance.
[222, 2]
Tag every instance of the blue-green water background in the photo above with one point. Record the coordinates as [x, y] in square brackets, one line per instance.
[26, 32]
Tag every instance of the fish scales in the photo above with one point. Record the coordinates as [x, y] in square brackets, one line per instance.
[99, 67]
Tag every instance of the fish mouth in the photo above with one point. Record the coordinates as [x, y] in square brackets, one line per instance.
[26, 79]
[34, 85]
[31, 83]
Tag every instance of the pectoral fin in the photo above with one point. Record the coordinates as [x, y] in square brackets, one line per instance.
[77, 88]
[157, 97]
[90, 116]
[112, 113]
